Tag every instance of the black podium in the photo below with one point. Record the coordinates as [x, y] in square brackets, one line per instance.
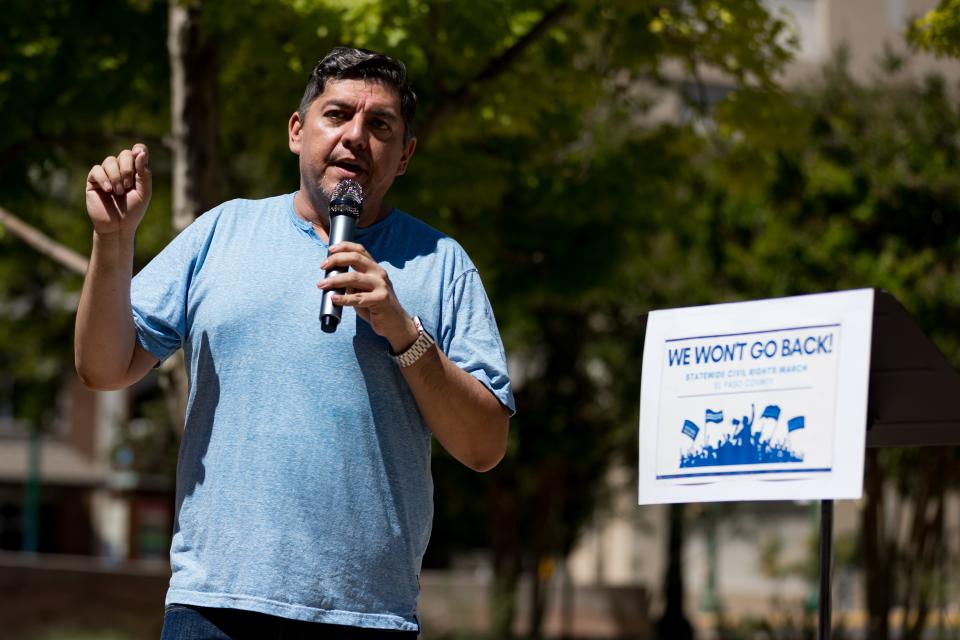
[914, 393]
[911, 402]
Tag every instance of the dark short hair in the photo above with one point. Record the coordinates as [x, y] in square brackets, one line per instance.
[347, 63]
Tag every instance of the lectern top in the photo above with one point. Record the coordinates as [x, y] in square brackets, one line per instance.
[914, 397]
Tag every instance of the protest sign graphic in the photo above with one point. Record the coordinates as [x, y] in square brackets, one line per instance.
[740, 443]
[742, 403]
[745, 394]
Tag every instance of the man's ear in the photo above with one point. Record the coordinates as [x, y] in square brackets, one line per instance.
[294, 131]
[405, 158]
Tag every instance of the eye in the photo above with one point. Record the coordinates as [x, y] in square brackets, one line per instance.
[380, 124]
[335, 114]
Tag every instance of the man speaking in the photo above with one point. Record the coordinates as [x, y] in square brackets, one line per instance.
[304, 496]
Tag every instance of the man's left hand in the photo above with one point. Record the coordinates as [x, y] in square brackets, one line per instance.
[368, 290]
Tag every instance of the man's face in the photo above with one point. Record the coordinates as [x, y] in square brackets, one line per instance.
[355, 130]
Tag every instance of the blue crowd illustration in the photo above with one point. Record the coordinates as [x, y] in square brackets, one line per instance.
[742, 440]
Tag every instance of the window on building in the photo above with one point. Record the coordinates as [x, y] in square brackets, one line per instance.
[803, 14]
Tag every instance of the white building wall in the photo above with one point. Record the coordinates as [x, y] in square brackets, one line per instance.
[866, 29]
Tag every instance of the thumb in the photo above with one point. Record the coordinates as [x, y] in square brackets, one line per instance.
[141, 164]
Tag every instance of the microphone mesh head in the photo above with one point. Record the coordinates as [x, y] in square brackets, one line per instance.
[348, 190]
[347, 198]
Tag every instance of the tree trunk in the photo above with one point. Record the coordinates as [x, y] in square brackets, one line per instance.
[673, 624]
[551, 494]
[924, 547]
[193, 114]
[505, 542]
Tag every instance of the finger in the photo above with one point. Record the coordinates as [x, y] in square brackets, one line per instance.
[125, 161]
[355, 247]
[141, 162]
[349, 299]
[112, 168]
[356, 299]
[97, 178]
[349, 280]
[109, 205]
[358, 261]
[359, 297]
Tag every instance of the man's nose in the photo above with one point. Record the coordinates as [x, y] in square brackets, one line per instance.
[355, 136]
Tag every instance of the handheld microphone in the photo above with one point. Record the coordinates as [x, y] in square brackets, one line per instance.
[346, 203]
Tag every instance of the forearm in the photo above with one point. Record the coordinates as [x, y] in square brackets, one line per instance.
[465, 417]
[105, 341]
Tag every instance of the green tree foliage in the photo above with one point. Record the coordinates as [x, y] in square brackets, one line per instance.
[939, 30]
[538, 152]
[77, 80]
[861, 192]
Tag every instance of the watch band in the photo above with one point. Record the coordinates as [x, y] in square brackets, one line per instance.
[419, 347]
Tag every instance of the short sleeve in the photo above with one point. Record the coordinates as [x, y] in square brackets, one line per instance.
[158, 293]
[470, 338]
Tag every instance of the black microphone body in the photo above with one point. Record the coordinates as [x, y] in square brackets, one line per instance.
[345, 207]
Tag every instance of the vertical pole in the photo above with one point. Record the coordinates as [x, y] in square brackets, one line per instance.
[31, 497]
[825, 626]
[673, 624]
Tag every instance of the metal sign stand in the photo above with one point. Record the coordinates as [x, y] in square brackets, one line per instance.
[825, 622]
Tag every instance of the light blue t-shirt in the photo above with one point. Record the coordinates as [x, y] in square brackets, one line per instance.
[303, 483]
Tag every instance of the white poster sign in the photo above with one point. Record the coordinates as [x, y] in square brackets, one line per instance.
[760, 400]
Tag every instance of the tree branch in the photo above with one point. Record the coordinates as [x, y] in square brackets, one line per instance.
[47, 246]
[449, 101]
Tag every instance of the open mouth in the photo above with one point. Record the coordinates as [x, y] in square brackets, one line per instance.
[348, 167]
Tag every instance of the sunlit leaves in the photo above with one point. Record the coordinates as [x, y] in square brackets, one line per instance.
[939, 30]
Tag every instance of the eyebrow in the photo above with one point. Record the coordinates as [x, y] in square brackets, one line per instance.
[379, 112]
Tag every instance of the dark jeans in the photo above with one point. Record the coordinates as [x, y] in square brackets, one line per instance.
[183, 622]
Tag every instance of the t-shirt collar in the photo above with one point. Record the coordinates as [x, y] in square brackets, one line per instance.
[376, 227]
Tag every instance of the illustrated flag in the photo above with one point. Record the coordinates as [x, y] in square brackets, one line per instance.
[714, 416]
[772, 411]
[690, 429]
[795, 423]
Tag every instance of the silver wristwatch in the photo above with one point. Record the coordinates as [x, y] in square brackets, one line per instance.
[419, 347]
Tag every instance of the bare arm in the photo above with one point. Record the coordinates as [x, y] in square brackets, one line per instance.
[105, 349]
[461, 412]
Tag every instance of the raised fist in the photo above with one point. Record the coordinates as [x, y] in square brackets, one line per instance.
[119, 189]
